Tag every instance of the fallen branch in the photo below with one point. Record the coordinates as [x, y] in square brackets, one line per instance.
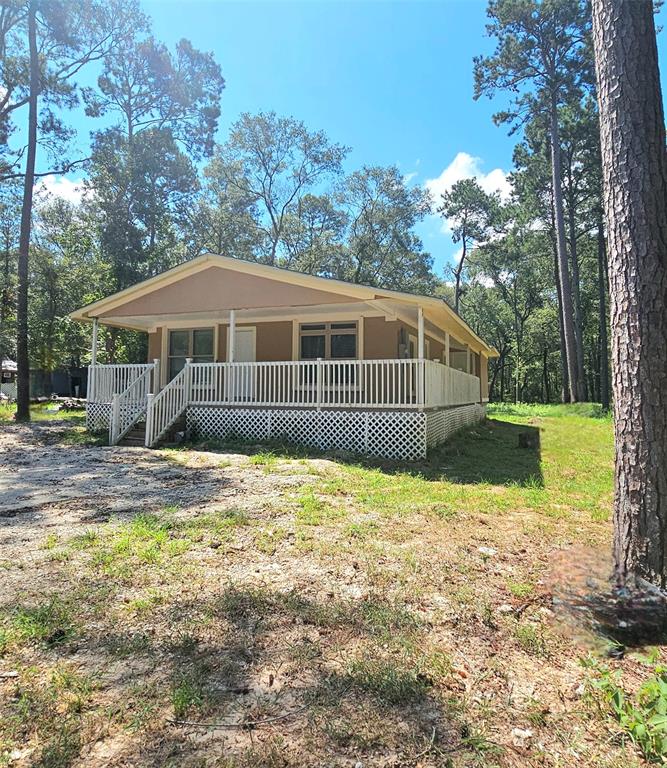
[247, 724]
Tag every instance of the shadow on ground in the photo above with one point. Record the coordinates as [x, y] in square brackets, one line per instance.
[495, 452]
[256, 662]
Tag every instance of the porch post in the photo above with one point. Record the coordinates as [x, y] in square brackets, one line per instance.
[446, 348]
[421, 378]
[420, 333]
[156, 375]
[90, 389]
[231, 347]
[93, 357]
[467, 359]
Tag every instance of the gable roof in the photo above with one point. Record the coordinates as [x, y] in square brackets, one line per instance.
[354, 291]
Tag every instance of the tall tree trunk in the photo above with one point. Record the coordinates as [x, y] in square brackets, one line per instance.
[565, 379]
[565, 382]
[4, 302]
[602, 302]
[22, 355]
[634, 166]
[575, 388]
[576, 296]
[545, 375]
[457, 278]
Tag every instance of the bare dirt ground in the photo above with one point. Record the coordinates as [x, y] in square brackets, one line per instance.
[313, 613]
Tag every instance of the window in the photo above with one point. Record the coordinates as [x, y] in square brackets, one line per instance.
[412, 351]
[330, 341]
[197, 344]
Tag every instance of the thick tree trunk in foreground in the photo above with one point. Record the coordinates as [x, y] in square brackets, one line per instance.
[22, 355]
[634, 166]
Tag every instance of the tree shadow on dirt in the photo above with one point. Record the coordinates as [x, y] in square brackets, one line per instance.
[288, 679]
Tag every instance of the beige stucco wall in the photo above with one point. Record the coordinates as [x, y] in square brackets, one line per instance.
[215, 289]
[155, 345]
[273, 341]
[380, 338]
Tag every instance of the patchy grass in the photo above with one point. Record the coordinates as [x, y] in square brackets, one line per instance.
[42, 412]
[391, 614]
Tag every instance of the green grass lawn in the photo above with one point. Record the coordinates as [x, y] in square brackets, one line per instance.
[41, 412]
[397, 614]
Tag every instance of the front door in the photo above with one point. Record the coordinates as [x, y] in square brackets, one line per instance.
[244, 347]
[242, 379]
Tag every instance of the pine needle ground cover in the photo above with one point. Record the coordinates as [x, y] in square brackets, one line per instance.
[261, 606]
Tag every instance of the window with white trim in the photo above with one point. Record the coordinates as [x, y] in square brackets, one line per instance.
[329, 341]
[196, 343]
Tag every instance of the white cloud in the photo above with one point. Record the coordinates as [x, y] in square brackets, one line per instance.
[60, 186]
[465, 166]
[408, 177]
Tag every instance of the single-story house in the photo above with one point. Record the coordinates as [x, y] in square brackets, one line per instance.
[242, 349]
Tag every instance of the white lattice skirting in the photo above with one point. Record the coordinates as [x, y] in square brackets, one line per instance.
[442, 424]
[98, 416]
[387, 434]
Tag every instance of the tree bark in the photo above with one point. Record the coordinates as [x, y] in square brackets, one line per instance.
[545, 376]
[22, 354]
[602, 302]
[576, 297]
[458, 272]
[634, 166]
[565, 381]
[575, 388]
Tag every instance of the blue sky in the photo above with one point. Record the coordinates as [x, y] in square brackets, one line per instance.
[391, 80]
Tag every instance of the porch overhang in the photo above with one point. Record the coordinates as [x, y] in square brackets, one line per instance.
[209, 288]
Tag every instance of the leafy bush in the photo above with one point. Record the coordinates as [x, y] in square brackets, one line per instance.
[642, 716]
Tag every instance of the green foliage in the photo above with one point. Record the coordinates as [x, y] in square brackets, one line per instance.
[49, 623]
[642, 716]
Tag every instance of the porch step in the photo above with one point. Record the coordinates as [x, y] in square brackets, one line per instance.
[137, 435]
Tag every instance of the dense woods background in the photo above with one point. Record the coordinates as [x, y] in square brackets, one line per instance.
[162, 186]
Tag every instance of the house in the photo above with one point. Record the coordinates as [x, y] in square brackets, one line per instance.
[8, 369]
[248, 350]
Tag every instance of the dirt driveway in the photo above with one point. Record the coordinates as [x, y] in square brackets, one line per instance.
[52, 487]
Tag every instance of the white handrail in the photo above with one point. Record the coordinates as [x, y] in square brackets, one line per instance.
[105, 381]
[167, 405]
[129, 406]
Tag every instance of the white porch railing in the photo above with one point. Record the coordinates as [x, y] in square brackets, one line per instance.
[129, 406]
[308, 384]
[105, 381]
[370, 384]
[445, 386]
